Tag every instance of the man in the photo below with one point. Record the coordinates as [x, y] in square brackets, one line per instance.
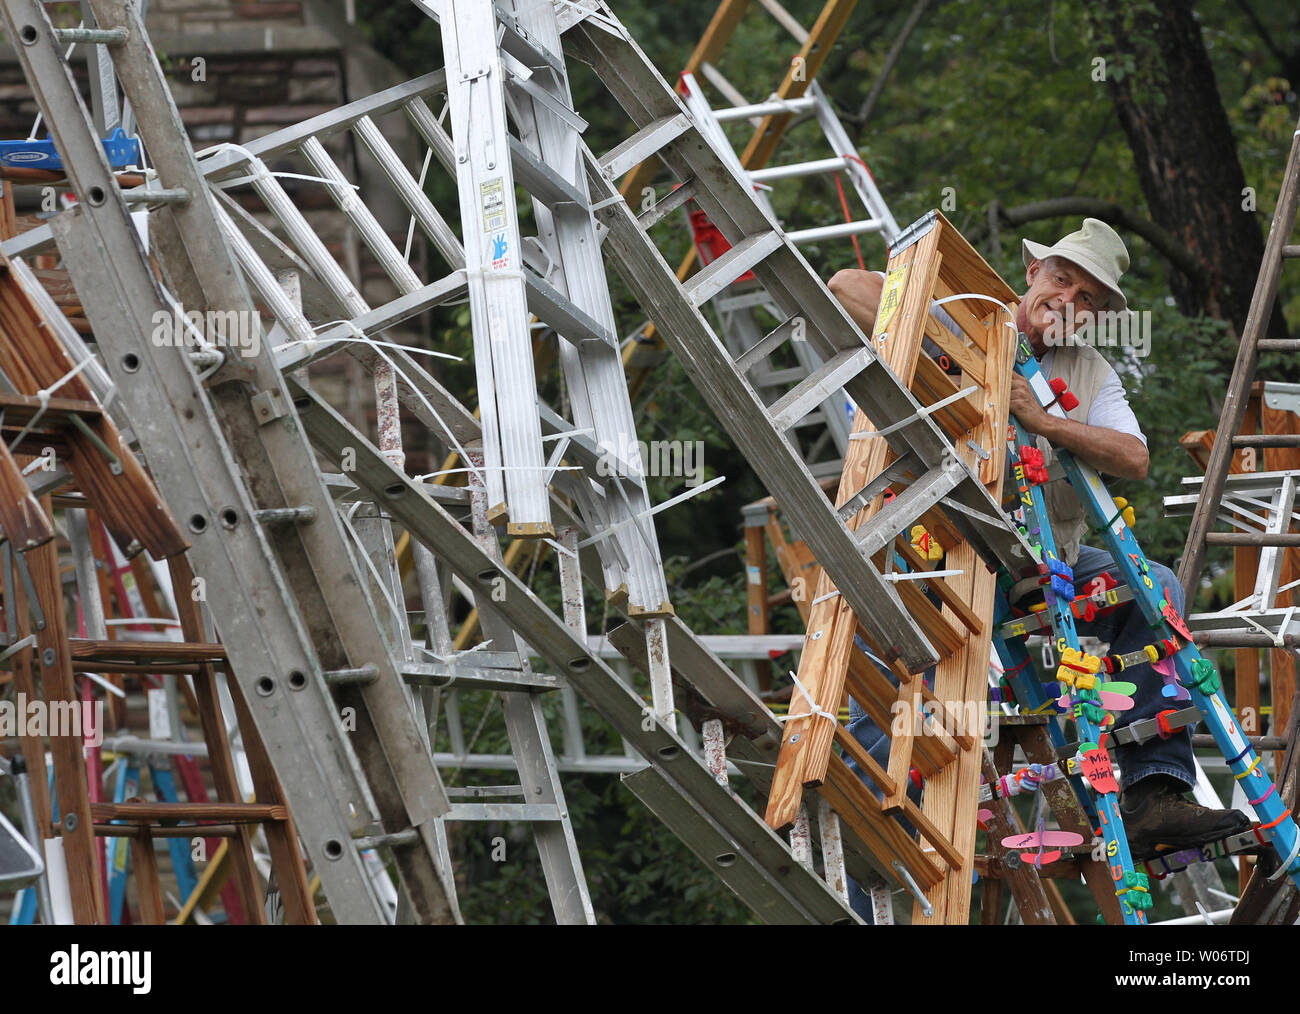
[1068, 285]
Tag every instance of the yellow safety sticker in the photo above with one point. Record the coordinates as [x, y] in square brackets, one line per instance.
[890, 299]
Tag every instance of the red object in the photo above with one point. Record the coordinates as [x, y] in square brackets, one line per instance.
[1162, 722]
[1032, 464]
[1097, 769]
[710, 242]
[915, 776]
[1067, 400]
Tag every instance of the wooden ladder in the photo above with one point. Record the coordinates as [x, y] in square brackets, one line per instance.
[932, 263]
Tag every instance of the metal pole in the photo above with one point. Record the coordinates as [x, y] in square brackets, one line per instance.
[18, 768]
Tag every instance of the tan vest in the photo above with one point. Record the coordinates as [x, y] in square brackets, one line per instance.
[1084, 370]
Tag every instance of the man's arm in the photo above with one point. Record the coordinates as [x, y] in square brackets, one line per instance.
[1107, 450]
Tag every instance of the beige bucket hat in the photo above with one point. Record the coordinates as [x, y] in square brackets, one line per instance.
[1097, 249]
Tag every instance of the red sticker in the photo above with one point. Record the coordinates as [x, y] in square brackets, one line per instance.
[1174, 620]
[1097, 769]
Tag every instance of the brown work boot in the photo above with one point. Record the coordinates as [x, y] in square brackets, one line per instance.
[1158, 819]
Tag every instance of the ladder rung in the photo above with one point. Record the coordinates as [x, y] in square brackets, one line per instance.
[407, 837]
[892, 473]
[1252, 539]
[773, 108]
[505, 812]
[659, 209]
[540, 180]
[782, 378]
[287, 515]
[786, 20]
[844, 229]
[1267, 439]
[819, 386]
[1279, 344]
[880, 530]
[796, 169]
[235, 813]
[517, 41]
[111, 37]
[1291, 251]
[175, 195]
[644, 143]
[361, 676]
[561, 313]
[764, 347]
[742, 257]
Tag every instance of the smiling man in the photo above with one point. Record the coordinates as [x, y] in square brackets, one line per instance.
[1068, 285]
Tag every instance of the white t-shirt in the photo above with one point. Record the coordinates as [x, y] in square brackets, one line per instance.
[1110, 409]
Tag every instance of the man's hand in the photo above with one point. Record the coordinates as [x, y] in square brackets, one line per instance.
[1025, 406]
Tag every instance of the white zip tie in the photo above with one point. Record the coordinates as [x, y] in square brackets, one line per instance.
[95, 677]
[927, 410]
[18, 646]
[825, 598]
[919, 575]
[560, 549]
[155, 620]
[811, 704]
[44, 395]
[312, 344]
[457, 654]
[410, 225]
[617, 526]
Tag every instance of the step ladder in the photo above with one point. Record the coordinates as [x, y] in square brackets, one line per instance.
[971, 409]
[1195, 676]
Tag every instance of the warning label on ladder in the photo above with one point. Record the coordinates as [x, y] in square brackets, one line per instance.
[890, 298]
[492, 196]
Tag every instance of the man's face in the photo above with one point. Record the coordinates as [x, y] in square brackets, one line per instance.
[1054, 285]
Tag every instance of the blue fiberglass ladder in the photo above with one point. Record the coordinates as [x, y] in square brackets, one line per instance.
[1081, 675]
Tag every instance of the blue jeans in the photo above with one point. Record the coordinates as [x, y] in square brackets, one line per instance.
[1127, 630]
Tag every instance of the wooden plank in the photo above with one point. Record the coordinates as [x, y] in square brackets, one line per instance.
[942, 590]
[148, 889]
[25, 524]
[969, 357]
[70, 785]
[144, 812]
[1281, 668]
[951, 796]
[931, 384]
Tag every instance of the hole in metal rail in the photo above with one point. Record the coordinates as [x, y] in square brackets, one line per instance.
[229, 517]
[579, 664]
[28, 34]
[96, 196]
[726, 859]
[198, 523]
[297, 679]
[130, 362]
[669, 752]
[265, 686]
[333, 849]
[394, 489]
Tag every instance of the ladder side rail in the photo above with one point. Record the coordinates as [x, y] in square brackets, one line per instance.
[1243, 374]
[1062, 621]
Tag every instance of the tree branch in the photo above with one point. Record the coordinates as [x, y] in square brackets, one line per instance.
[891, 58]
[1114, 214]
